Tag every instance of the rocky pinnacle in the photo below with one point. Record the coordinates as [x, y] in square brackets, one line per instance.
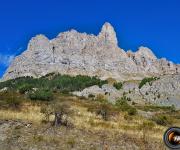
[76, 53]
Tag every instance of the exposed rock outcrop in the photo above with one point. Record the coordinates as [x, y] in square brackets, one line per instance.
[164, 91]
[75, 53]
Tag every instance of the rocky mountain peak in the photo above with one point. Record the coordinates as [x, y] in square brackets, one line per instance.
[77, 53]
[108, 34]
[146, 52]
[38, 43]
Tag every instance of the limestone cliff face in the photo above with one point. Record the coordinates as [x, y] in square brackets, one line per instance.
[75, 53]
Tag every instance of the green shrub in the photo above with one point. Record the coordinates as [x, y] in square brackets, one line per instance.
[147, 80]
[122, 105]
[128, 99]
[159, 96]
[104, 111]
[124, 94]
[101, 98]
[132, 111]
[172, 108]
[162, 120]
[91, 96]
[118, 85]
[41, 94]
[133, 103]
[25, 88]
[155, 108]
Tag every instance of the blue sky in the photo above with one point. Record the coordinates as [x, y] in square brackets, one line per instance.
[151, 23]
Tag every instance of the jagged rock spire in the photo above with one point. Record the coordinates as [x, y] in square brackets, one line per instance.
[107, 33]
[146, 52]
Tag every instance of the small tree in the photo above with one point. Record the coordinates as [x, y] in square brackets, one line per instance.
[103, 111]
[173, 108]
[122, 105]
[118, 85]
[61, 112]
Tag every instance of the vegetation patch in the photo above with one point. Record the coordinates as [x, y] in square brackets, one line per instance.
[25, 88]
[122, 105]
[64, 83]
[155, 108]
[118, 85]
[147, 80]
[41, 94]
[162, 120]
[71, 142]
[10, 99]
[101, 98]
[60, 111]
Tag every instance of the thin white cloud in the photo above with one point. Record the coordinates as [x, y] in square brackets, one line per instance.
[6, 59]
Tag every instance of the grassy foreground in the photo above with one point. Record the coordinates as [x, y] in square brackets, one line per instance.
[27, 117]
[89, 131]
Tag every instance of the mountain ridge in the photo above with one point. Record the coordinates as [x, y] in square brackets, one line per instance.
[99, 55]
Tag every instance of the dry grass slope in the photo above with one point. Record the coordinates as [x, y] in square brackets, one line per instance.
[90, 131]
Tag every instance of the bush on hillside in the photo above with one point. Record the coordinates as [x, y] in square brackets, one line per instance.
[103, 111]
[25, 88]
[147, 80]
[132, 111]
[118, 85]
[61, 113]
[91, 96]
[101, 98]
[162, 120]
[122, 105]
[41, 94]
